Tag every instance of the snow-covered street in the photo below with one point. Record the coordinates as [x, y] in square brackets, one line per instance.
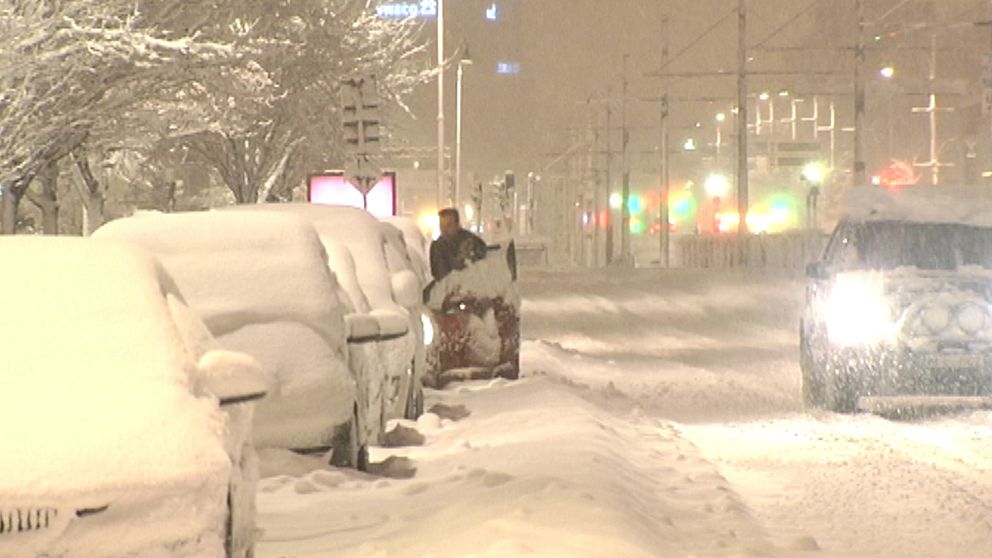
[660, 416]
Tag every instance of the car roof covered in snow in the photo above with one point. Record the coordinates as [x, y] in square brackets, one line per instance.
[95, 384]
[410, 241]
[355, 229]
[237, 270]
[967, 205]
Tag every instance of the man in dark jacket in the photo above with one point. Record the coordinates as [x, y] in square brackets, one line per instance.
[455, 248]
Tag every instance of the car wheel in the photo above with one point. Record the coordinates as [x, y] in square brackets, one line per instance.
[811, 379]
[348, 450]
[841, 393]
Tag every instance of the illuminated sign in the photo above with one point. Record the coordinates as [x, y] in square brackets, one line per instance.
[402, 10]
[492, 12]
[508, 68]
[334, 189]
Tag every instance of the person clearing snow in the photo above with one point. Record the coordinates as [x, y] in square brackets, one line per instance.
[456, 247]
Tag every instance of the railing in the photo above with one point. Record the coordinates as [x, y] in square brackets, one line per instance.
[785, 250]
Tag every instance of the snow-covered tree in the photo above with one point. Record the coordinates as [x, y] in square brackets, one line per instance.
[64, 67]
[307, 47]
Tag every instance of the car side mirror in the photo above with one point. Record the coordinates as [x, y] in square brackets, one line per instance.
[231, 377]
[816, 270]
[406, 289]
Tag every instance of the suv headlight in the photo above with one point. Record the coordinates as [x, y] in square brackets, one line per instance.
[857, 312]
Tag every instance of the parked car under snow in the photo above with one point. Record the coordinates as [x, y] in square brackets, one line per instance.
[260, 283]
[128, 432]
[385, 306]
[898, 309]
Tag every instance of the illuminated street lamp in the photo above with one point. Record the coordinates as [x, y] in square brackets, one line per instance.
[466, 60]
[887, 72]
[815, 173]
[717, 186]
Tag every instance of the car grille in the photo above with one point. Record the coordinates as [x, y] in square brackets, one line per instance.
[20, 520]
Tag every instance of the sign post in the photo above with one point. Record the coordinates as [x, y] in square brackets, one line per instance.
[361, 122]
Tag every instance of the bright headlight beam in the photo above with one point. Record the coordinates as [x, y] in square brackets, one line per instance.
[857, 312]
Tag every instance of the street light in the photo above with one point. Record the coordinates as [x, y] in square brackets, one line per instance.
[466, 60]
[815, 173]
[720, 119]
[717, 186]
[440, 105]
[887, 72]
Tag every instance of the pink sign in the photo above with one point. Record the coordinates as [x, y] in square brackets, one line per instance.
[334, 189]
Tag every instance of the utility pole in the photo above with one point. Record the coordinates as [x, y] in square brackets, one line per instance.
[742, 161]
[625, 252]
[858, 174]
[932, 109]
[597, 199]
[663, 209]
[609, 177]
[441, 198]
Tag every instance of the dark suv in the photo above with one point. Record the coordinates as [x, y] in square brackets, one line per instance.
[898, 312]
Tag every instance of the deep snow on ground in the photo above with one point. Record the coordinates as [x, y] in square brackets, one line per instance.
[660, 417]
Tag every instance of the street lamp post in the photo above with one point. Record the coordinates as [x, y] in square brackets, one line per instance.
[466, 60]
[440, 104]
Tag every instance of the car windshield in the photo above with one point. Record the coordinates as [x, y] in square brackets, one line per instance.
[891, 244]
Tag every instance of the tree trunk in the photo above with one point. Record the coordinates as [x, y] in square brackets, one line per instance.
[93, 193]
[49, 199]
[8, 210]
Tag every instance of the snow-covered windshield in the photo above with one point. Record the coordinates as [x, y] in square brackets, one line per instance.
[885, 245]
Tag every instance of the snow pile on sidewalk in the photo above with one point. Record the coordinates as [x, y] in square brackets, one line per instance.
[536, 469]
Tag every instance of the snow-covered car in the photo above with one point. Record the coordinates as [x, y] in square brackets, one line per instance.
[417, 245]
[384, 319]
[898, 309]
[477, 315]
[128, 431]
[260, 283]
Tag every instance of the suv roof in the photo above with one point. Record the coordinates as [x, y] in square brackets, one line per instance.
[966, 205]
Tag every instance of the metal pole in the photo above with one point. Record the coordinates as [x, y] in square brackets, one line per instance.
[624, 141]
[458, 136]
[597, 200]
[934, 156]
[742, 162]
[609, 177]
[441, 198]
[663, 209]
[858, 174]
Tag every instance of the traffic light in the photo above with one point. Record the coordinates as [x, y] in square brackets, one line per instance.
[360, 114]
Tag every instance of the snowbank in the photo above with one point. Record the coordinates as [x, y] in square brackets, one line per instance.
[95, 392]
[509, 482]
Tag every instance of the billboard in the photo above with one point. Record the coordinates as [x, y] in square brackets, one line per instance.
[334, 189]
